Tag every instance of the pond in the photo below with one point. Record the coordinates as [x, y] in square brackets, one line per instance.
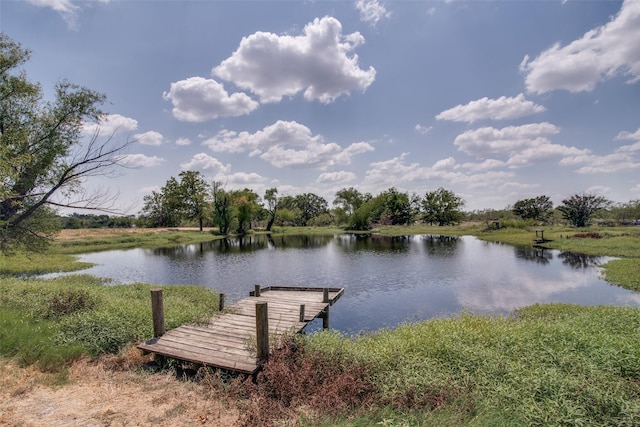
[387, 280]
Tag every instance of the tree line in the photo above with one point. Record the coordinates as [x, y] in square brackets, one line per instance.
[190, 198]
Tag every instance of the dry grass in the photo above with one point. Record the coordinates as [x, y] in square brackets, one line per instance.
[82, 233]
[106, 392]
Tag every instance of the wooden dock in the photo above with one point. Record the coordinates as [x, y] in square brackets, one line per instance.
[233, 339]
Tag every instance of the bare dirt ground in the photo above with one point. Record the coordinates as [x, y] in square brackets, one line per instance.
[97, 395]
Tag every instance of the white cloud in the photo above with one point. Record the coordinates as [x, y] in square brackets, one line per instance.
[65, 8]
[287, 144]
[598, 189]
[488, 142]
[316, 62]
[140, 160]
[485, 165]
[336, 177]
[242, 179]
[615, 162]
[183, 141]
[635, 136]
[502, 108]
[149, 138]
[110, 125]
[203, 161]
[423, 129]
[372, 11]
[601, 54]
[197, 99]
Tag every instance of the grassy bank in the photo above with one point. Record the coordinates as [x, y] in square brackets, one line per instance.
[547, 365]
[53, 322]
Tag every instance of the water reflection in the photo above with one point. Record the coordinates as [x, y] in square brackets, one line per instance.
[387, 280]
[579, 261]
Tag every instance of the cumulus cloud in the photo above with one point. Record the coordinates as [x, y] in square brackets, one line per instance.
[519, 145]
[488, 142]
[66, 8]
[503, 108]
[601, 54]
[150, 138]
[372, 11]
[287, 144]
[110, 125]
[485, 165]
[624, 135]
[423, 129]
[140, 160]
[594, 164]
[183, 141]
[336, 177]
[203, 161]
[197, 99]
[243, 179]
[316, 62]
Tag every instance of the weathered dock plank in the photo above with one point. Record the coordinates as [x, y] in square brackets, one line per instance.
[228, 340]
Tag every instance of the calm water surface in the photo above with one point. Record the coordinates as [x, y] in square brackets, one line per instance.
[386, 280]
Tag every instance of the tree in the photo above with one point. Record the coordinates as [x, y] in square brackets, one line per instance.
[271, 198]
[222, 208]
[579, 208]
[394, 207]
[310, 205]
[442, 206]
[156, 211]
[246, 205]
[44, 154]
[193, 192]
[537, 208]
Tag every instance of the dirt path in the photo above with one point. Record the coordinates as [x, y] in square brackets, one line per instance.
[97, 396]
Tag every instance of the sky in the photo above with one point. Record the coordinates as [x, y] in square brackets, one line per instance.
[496, 101]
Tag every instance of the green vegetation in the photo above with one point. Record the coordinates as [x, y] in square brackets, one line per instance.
[547, 365]
[52, 322]
[151, 239]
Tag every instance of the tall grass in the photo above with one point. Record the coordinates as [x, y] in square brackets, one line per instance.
[75, 312]
[549, 365]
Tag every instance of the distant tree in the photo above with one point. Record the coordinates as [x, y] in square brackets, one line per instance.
[310, 205]
[222, 207]
[626, 213]
[348, 200]
[443, 207]
[537, 208]
[193, 193]
[579, 208]
[246, 205]
[44, 154]
[393, 207]
[271, 199]
[156, 212]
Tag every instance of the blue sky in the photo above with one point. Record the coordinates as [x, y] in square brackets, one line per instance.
[496, 101]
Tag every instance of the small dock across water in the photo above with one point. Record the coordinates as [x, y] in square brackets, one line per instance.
[237, 338]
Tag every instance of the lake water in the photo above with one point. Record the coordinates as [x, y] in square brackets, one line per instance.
[387, 280]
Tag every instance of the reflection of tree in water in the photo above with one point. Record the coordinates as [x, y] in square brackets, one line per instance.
[442, 246]
[579, 261]
[373, 243]
[245, 244]
[537, 254]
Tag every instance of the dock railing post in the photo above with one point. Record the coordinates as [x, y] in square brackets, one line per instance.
[325, 294]
[302, 312]
[157, 310]
[221, 302]
[325, 318]
[256, 293]
[262, 331]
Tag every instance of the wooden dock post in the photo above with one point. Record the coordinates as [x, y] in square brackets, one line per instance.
[157, 309]
[302, 312]
[325, 318]
[325, 294]
[262, 331]
[221, 303]
[256, 293]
